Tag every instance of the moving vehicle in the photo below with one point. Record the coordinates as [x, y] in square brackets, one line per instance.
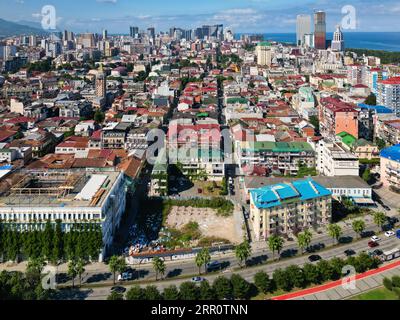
[314, 258]
[390, 255]
[118, 289]
[198, 279]
[375, 239]
[349, 252]
[389, 233]
[373, 244]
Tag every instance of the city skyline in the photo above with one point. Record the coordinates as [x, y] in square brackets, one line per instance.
[250, 16]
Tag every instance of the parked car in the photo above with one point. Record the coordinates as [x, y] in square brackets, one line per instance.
[389, 233]
[314, 258]
[375, 239]
[126, 276]
[375, 253]
[213, 266]
[373, 244]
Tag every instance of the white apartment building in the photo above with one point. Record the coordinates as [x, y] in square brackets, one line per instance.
[333, 159]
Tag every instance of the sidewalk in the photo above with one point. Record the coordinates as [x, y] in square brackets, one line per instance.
[335, 291]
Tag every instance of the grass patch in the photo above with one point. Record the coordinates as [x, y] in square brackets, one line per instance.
[377, 294]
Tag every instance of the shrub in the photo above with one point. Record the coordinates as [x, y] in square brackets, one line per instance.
[387, 283]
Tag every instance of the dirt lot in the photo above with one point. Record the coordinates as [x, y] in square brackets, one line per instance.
[209, 223]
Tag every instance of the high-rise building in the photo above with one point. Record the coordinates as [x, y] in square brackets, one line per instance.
[87, 40]
[264, 54]
[389, 94]
[320, 30]
[338, 40]
[101, 83]
[303, 28]
[105, 34]
[133, 31]
[32, 41]
[68, 36]
[151, 32]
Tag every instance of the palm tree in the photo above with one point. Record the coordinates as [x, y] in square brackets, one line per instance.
[206, 258]
[301, 241]
[159, 266]
[275, 243]
[335, 231]
[80, 269]
[379, 219]
[113, 265]
[308, 238]
[358, 226]
[199, 261]
[72, 271]
[243, 252]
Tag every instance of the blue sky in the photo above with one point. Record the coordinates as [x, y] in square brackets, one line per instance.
[264, 16]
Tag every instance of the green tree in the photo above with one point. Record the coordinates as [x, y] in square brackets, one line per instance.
[135, 293]
[282, 280]
[296, 275]
[99, 116]
[243, 252]
[334, 231]
[311, 274]
[159, 267]
[115, 265]
[241, 288]
[371, 100]
[80, 269]
[115, 296]
[367, 175]
[151, 293]
[387, 283]
[199, 261]
[275, 243]
[379, 219]
[206, 291]
[358, 227]
[72, 271]
[189, 291]
[325, 270]
[205, 253]
[223, 288]
[263, 283]
[171, 293]
[304, 239]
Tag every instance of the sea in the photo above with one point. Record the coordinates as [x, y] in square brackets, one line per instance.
[388, 41]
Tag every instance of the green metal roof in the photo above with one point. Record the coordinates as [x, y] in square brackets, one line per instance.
[347, 138]
[265, 44]
[237, 100]
[280, 146]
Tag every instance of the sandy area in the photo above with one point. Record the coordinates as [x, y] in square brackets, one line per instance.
[209, 223]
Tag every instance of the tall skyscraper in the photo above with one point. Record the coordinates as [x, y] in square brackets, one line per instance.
[264, 54]
[303, 28]
[133, 31]
[101, 83]
[338, 40]
[105, 34]
[320, 30]
[151, 32]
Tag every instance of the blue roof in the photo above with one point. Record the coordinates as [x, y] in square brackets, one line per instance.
[392, 153]
[277, 194]
[378, 109]
[6, 167]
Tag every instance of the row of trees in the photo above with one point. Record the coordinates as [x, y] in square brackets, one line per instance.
[84, 241]
[222, 288]
[393, 285]
[238, 288]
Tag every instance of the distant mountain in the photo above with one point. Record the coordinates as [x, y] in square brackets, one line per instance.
[8, 29]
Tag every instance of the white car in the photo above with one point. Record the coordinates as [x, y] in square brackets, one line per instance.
[375, 239]
[389, 234]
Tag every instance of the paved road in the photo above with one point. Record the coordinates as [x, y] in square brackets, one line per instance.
[248, 273]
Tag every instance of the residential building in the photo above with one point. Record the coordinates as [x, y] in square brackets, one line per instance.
[389, 94]
[288, 208]
[390, 167]
[320, 30]
[334, 160]
[303, 27]
[264, 53]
